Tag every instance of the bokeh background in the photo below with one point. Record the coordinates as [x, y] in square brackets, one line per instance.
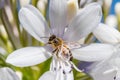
[13, 36]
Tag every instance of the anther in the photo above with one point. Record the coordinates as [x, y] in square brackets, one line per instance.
[72, 67]
[71, 58]
[64, 72]
[115, 78]
[55, 68]
[60, 67]
[70, 71]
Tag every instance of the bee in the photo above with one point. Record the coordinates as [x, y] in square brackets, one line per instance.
[59, 46]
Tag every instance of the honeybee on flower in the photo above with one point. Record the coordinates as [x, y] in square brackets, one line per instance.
[58, 38]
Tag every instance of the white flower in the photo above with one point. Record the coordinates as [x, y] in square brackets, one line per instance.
[59, 40]
[8, 74]
[109, 68]
[100, 70]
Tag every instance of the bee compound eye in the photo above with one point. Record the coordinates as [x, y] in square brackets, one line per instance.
[55, 41]
[52, 37]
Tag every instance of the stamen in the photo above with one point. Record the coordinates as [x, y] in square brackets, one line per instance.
[64, 72]
[75, 67]
[60, 67]
[115, 78]
[70, 71]
[66, 67]
[54, 50]
[60, 51]
[55, 68]
[53, 65]
[44, 37]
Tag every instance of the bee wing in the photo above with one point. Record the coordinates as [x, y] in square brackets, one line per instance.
[74, 45]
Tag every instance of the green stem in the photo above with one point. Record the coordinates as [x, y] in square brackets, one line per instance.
[88, 39]
[13, 7]
[8, 27]
[118, 19]
[34, 2]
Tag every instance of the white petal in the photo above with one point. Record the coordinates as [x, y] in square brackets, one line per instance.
[106, 72]
[118, 75]
[49, 75]
[8, 74]
[107, 34]
[85, 66]
[115, 61]
[33, 22]
[58, 16]
[84, 22]
[100, 75]
[85, 2]
[59, 75]
[69, 76]
[93, 52]
[118, 78]
[28, 56]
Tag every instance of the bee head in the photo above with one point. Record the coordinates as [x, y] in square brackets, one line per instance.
[52, 38]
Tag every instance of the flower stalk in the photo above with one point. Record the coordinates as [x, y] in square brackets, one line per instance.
[15, 42]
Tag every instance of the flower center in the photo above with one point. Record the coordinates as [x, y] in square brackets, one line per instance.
[61, 50]
[62, 56]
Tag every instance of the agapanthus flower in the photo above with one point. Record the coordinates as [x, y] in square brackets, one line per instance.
[99, 70]
[8, 74]
[60, 39]
[111, 36]
[109, 68]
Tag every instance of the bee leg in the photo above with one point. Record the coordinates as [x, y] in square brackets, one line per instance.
[71, 57]
[57, 52]
[54, 51]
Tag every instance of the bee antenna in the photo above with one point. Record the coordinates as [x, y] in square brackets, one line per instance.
[44, 37]
[46, 44]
